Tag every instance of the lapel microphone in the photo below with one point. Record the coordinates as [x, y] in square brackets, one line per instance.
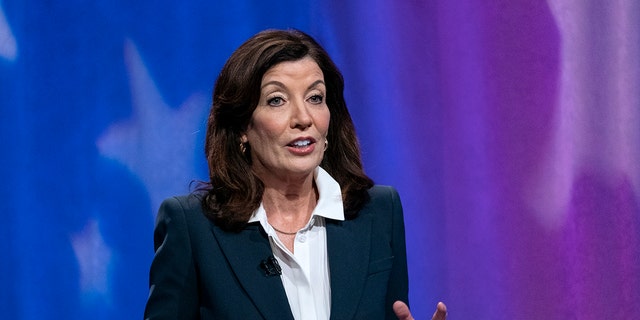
[271, 267]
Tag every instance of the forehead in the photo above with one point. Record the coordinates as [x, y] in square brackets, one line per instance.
[297, 70]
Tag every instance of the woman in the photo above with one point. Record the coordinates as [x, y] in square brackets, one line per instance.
[289, 226]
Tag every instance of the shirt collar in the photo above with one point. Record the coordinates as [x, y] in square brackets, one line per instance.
[329, 199]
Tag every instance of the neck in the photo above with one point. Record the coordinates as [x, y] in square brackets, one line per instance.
[289, 205]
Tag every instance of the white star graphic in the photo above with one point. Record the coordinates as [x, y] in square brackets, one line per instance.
[157, 143]
[8, 46]
[94, 258]
[578, 140]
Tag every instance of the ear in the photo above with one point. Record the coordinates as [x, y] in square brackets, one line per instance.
[243, 138]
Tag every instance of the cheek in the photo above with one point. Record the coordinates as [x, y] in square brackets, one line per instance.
[264, 130]
[323, 122]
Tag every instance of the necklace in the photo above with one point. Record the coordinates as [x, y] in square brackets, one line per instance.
[287, 233]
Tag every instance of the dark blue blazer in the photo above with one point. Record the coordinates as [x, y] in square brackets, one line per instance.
[202, 272]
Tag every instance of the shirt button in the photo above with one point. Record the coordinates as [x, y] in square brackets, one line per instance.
[302, 238]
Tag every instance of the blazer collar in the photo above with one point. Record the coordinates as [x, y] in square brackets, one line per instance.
[348, 246]
[245, 251]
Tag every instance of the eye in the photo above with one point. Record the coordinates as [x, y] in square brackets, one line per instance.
[275, 101]
[316, 99]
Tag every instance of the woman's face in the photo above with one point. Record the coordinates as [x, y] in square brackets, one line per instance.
[288, 127]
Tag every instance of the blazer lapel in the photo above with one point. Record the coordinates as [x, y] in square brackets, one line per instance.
[348, 245]
[245, 251]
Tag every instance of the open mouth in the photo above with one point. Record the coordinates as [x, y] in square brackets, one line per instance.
[300, 143]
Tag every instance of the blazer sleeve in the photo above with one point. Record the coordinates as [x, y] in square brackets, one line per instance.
[398, 288]
[173, 292]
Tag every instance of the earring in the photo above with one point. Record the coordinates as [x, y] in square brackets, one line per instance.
[243, 148]
[326, 144]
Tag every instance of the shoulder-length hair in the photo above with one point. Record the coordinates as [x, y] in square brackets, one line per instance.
[234, 191]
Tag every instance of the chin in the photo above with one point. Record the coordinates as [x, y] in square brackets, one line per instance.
[304, 168]
[301, 171]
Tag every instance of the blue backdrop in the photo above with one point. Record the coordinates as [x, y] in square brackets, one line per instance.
[103, 112]
[510, 128]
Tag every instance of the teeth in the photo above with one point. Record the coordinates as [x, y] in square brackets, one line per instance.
[302, 143]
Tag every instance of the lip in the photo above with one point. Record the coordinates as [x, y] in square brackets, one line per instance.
[302, 151]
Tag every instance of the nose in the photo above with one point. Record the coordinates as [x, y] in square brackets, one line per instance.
[300, 116]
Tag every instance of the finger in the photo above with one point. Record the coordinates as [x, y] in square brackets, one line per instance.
[402, 310]
[441, 312]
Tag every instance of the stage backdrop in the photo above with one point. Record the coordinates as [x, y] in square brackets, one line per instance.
[510, 128]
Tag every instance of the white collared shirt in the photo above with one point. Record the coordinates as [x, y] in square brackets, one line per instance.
[305, 273]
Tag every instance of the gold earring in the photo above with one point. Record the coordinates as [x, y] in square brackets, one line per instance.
[243, 148]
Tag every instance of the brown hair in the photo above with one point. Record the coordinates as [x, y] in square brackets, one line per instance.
[234, 191]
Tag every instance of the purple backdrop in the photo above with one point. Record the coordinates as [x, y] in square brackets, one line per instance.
[510, 128]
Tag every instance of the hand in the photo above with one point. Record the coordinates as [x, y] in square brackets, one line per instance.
[441, 312]
[402, 311]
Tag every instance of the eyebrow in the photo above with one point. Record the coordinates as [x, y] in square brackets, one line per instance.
[316, 83]
[280, 84]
